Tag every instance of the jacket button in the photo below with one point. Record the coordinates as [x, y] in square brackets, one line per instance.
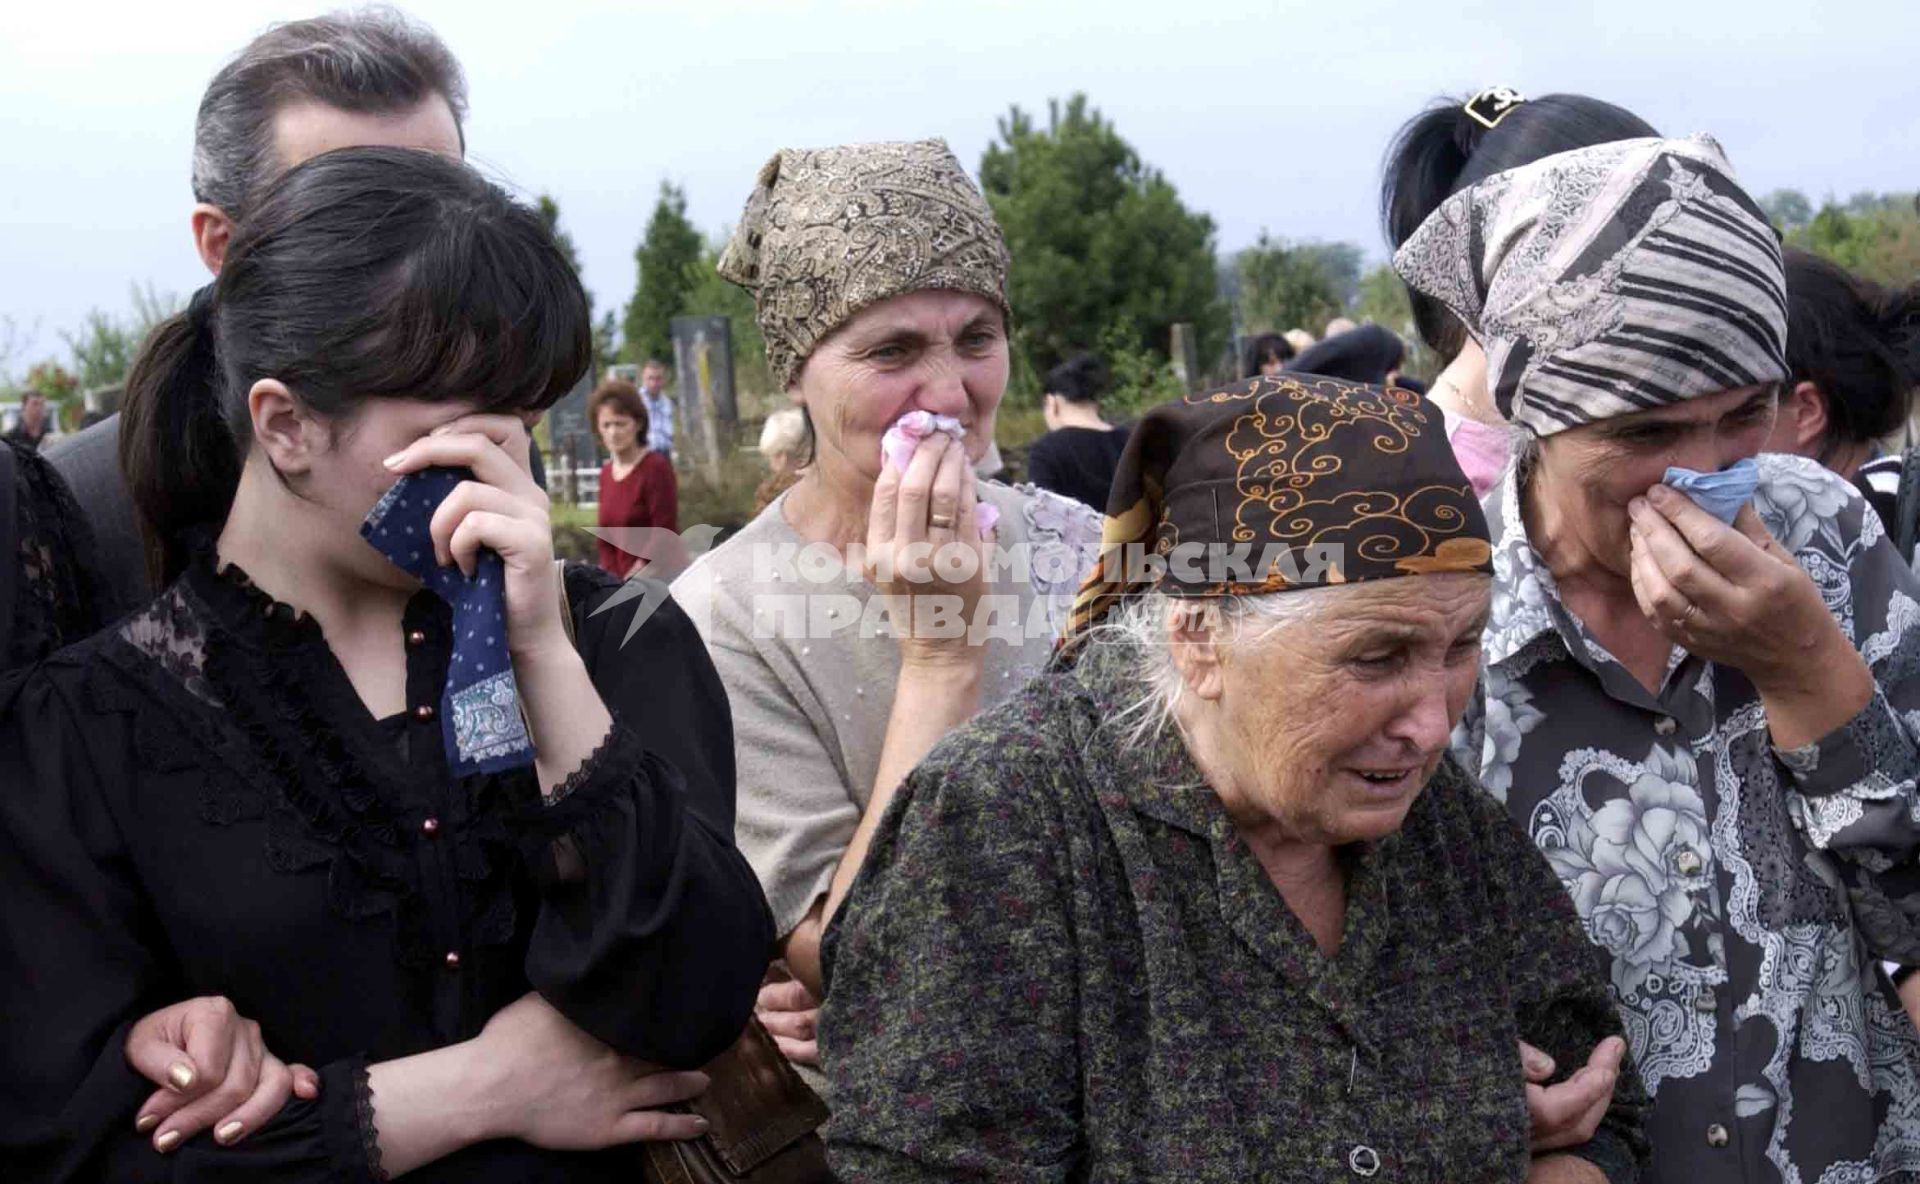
[430, 826]
[1717, 1136]
[1364, 1161]
[453, 959]
[424, 712]
[1705, 1000]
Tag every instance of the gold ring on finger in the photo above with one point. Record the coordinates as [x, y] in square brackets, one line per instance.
[940, 522]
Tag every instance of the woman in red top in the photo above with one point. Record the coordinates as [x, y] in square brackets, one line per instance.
[637, 486]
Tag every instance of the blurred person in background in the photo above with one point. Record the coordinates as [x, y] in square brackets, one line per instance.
[1299, 339]
[660, 409]
[784, 446]
[1369, 354]
[1077, 456]
[1267, 353]
[638, 490]
[35, 422]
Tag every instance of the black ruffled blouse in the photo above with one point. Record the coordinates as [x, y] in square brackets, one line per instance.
[197, 802]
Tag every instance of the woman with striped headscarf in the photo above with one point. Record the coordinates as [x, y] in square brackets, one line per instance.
[1700, 680]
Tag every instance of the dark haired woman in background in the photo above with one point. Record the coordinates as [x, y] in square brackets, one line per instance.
[1267, 353]
[637, 486]
[246, 789]
[1853, 356]
[1441, 151]
[1077, 456]
[1368, 354]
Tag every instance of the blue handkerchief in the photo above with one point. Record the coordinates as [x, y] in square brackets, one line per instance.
[480, 720]
[1720, 494]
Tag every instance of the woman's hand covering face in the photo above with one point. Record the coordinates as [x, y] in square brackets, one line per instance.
[502, 509]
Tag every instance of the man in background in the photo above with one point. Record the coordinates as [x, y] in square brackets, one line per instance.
[365, 79]
[653, 390]
[34, 422]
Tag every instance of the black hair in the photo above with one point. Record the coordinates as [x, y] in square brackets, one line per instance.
[363, 273]
[1367, 354]
[1262, 347]
[1080, 379]
[1856, 341]
[1443, 150]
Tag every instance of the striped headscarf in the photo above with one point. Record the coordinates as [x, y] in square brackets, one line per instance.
[1609, 280]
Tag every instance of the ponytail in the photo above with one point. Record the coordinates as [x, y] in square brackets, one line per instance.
[177, 449]
[1858, 342]
[1447, 147]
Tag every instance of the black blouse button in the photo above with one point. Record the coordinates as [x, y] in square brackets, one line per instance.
[1717, 1136]
[453, 959]
[430, 826]
[416, 637]
[424, 712]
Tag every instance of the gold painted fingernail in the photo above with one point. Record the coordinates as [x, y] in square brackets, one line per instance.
[394, 459]
[230, 1132]
[146, 1122]
[168, 1141]
[180, 1076]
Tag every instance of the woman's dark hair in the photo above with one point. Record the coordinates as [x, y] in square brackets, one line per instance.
[1080, 379]
[1443, 150]
[1855, 340]
[1367, 354]
[623, 397]
[364, 273]
[1263, 347]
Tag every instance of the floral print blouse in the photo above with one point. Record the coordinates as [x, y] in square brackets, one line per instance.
[1744, 893]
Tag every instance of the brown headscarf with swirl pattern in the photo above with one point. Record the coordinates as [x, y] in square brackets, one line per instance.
[1280, 482]
[829, 231]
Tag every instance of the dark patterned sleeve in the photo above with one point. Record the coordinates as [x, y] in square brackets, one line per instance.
[82, 958]
[653, 932]
[1859, 786]
[948, 1035]
[1559, 982]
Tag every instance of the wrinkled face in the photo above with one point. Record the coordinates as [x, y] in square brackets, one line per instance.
[653, 378]
[1588, 474]
[618, 430]
[1340, 718]
[938, 351]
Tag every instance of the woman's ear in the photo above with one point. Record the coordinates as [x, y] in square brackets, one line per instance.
[1804, 407]
[283, 427]
[1193, 630]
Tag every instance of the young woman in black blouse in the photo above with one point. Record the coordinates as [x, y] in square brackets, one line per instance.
[243, 789]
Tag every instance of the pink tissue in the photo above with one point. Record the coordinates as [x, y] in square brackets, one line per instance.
[898, 444]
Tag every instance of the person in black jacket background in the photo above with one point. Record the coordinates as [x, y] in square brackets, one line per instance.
[1077, 456]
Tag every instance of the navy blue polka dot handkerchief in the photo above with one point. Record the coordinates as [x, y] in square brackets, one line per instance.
[480, 719]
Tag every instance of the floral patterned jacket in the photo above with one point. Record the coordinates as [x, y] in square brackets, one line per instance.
[1745, 893]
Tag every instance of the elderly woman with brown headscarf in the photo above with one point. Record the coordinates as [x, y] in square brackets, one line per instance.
[1702, 671]
[856, 619]
[1211, 901]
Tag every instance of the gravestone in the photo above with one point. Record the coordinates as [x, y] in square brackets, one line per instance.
[703, 390]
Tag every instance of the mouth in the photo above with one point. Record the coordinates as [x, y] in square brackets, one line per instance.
[1389, 783]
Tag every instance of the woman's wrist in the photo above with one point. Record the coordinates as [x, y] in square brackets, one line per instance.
[1816, 695]
[430, 1105]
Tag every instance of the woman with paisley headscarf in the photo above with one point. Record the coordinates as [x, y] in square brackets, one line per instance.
[1210, 901]
[1701, 672]
[879, 278]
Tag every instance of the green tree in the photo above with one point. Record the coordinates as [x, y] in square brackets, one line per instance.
[104, 348]
[666, 259]
[550, 214]
[709, 295]
[1787, 209]
[1103, 249]
[1285, 285]
[1876, 236]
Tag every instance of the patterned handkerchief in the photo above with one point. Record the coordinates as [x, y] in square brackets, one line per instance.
[480, 719]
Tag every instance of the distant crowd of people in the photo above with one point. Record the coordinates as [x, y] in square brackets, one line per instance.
[1312, 779]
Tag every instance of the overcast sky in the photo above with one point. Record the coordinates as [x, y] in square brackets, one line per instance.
[1265, 115]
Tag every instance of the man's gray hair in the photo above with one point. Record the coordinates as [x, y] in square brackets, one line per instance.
[1141, 629]
[374, 61]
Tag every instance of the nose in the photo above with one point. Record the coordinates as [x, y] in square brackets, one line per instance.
[1425, 721]
[944, 389]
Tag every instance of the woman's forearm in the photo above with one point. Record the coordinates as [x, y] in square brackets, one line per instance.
[1806, 705]
[565, 713]
[930, 701]
[428, 1106]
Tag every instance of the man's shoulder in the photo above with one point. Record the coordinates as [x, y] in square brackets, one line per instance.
[88, 455]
